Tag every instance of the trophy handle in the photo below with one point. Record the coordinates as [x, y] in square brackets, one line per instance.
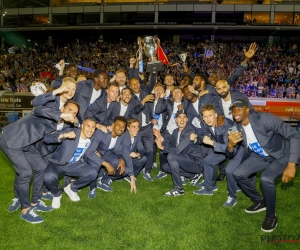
[139, 53]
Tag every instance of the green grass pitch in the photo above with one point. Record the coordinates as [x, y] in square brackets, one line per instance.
[148, 220]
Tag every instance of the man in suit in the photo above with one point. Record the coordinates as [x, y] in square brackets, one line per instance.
[120, 78]
[195, 106]
[271, 146]
[100, 107]
[110, 156]
[179, 156]
[57, 97]
[194, 111]
[18, 142]
[127, 106]
[225, 98]
[88, 91]
[145, 97]
[216, 138]
[167, 110]
[132, 140]
[68, 160]
[158, 119]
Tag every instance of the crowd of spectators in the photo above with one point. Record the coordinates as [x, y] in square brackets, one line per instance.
[273, 72]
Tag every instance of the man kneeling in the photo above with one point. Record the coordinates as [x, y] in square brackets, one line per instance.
[68, 159]
[180, 156]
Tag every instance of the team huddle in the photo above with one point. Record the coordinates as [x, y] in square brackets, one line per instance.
[94, 132]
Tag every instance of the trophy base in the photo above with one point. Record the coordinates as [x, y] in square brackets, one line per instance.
[154, 66]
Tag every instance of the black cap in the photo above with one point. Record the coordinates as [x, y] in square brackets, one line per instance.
[181, 111]
[239, 103]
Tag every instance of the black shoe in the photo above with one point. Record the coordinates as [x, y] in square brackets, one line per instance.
[269, 224]
[256, 207]
[221, 177]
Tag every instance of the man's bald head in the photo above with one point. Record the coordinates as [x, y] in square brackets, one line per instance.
[222, 82]
[222, 88]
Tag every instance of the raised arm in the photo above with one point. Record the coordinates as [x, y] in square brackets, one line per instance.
[133, 71]
[151, 84]
[248, 55]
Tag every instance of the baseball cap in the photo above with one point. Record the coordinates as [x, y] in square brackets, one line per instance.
[239, 103]
[181, 111]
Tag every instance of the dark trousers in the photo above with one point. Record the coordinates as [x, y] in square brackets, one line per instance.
[271, 167]
[210, 163]
[179, 165]
[138, 165]
[154, 152]
[114, 161]
[43, 161]
[84, 171]
[148, 141]
[26, 160]
[222, 167]
[231, 166]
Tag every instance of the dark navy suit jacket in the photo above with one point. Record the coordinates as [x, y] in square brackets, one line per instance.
[66, 148]
[101, 143]
[148, 111]
[31, 128]
[47, 100]
[234, 96]
[133, 109]
[165, 108]
[57, 82]
[83, 94]
[276, 137]
[126, 147]
[192, 113]
[185, 146]
[99, 109]
[219, 135]
[231, 80]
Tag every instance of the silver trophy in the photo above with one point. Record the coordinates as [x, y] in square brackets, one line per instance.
[149, 45]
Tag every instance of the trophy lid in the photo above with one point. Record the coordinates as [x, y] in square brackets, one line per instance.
[149, 39]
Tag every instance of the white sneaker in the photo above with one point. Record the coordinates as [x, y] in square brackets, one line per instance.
[72, 195]
[154, 166]
[56, 202]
